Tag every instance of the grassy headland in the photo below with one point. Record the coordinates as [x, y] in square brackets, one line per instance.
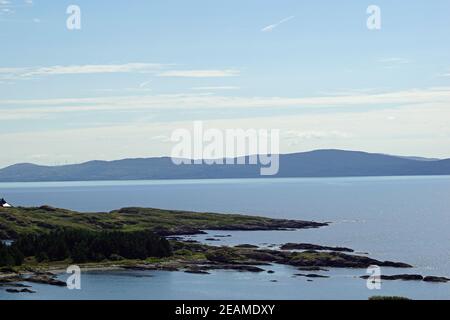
[20, 221]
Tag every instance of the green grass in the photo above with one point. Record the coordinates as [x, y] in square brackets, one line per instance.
[15, 221]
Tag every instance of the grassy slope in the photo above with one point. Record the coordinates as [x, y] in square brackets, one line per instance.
[15, 221]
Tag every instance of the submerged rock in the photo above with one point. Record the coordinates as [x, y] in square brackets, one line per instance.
[20, 291]
[412, 277]
[311, 276]
[403, 277]
[436, 279]
[312, 269]
[235, 267]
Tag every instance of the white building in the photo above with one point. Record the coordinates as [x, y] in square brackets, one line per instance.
[4, 204]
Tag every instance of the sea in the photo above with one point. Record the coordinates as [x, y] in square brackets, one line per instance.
[403, 219]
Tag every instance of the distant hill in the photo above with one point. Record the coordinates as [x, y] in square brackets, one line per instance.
[321, 163]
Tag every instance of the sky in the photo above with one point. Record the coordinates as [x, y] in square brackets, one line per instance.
[138, 70]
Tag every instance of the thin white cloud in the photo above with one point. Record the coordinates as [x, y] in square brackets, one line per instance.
[29, 72]
[200, 73]
[295, 137]
[271, 27]
[29, 108]
[9, 8]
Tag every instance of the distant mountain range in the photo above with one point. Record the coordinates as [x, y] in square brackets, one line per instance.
[321, 163]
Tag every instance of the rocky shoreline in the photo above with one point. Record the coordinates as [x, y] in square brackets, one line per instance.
[190, 256]
[201, 259]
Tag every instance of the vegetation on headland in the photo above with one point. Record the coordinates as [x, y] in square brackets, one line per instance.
[19, 221]
[84, 246]
[10, 256]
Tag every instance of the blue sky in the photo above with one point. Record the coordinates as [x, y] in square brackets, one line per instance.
[137, 70]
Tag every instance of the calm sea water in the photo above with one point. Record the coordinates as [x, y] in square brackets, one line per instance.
[394, 218]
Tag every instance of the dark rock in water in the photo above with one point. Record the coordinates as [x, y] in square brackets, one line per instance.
[403, 277]
[412, 277]
[395, 264]
[235, 267]
[312, 276]
[44, 279]
[211, 239]
[20, 291]
[312, 269]
[13, 291]
[273, 281]
[196, 271]
[222, 236]
[246, 268]
[270, 272]
[338, 260]
[308, 246]
[436, 279]
[246, 246]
